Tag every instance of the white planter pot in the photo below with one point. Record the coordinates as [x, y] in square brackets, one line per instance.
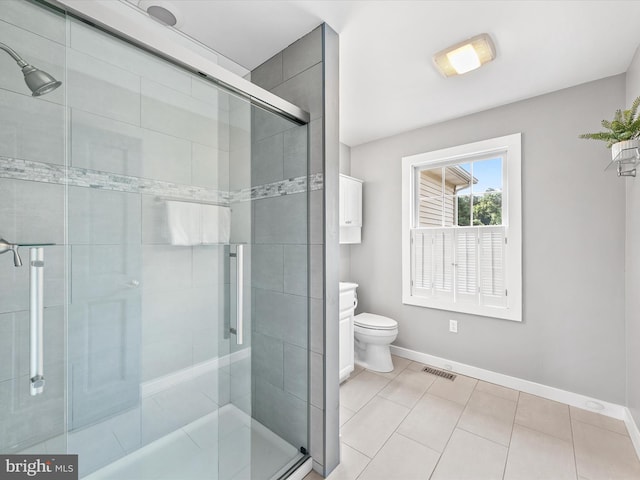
[617, 148]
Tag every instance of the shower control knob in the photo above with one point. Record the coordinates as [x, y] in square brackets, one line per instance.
[133, 283]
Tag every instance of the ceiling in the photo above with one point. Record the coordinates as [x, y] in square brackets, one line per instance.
[388, 83]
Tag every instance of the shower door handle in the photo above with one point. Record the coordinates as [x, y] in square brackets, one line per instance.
[240, 294]
[239, 330]
[36, 320]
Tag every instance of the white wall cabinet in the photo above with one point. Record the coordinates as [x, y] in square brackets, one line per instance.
[348, 303]
[350, 209]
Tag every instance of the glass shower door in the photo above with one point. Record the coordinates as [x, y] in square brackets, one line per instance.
[32, 297]
[263, 429]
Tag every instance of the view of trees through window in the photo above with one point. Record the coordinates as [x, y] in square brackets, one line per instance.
[465, 194]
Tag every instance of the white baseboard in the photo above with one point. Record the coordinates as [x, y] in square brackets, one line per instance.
[167, 381]
[551, 393]
[634, 431]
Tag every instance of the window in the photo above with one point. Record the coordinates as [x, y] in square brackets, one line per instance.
[461, 229]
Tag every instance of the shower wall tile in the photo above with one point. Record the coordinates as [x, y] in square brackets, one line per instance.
[269, 74]
[207, 166]
[316, 380]
[280, 316]
[295, 152]
[316, 271]
[174, 113]
[267, 267]
[166, 356]
[101, 271]
[316, 147]
[264, 124]
[268, 359]
[267, 160]
[208, 267]
[296, 269]
[103, 144]
[316, 324]
[41, 21]
[296, 371]
[281, 219]
[14, 295]
[316, 217]
[154, 221]
[31, 212]
[240, 168]
[98, 87]
[32, 129]
[304, 90]
[302, 54]
[207, 91]
[103, 217]
[116, 52]
[205, 344]
[166, 158]
[242, 222]
[316, 448]
[165, 268]
[37, 50]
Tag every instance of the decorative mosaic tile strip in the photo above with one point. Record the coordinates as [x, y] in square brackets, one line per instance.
[82, 177]
[289, 186]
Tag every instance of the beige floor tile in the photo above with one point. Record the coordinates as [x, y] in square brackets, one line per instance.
[356, 392]
[497, 390]
[401, 458]
[431, 422]
[351, 465]
[544, 415]
[345, 414]
[399, 364]
[369, 429]
[416, 366]
[603, 454]
[356, 370]
[458, 390]
[312, 475]
[469, 457]
[489, 416]
[534, 456]
[407, 388]
[598, 420]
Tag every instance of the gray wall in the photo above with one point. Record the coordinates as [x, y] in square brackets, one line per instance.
[633, 264]
[572, 335]
[345, 250]
[306, 74]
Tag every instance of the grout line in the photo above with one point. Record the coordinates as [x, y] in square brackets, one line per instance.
[573, 444]
[513, 423]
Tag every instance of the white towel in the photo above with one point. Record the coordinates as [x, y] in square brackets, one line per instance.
[184, 221]
[216, 224]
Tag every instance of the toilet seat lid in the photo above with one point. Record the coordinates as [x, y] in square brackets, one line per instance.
[377, 322]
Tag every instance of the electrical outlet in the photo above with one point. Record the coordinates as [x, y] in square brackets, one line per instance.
[453, 326]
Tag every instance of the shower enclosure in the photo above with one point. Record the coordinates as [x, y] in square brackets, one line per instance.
[158, 324]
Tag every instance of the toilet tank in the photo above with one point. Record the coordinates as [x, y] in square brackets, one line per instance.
[348, 303]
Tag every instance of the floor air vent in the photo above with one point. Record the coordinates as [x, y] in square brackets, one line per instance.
[439, 373]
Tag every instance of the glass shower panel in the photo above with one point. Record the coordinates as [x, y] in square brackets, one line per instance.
[32, 178]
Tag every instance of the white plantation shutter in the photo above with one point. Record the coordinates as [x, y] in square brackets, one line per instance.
[467, 264]
[443, 263]
[492, 266]
[422, 263]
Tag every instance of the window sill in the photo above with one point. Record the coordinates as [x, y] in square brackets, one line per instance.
[513, 314]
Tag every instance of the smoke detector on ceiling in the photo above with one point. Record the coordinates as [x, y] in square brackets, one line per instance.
[162, 11]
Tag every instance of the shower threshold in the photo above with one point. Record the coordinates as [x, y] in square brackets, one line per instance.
[224, 445]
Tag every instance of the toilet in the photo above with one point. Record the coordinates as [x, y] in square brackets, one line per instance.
[373, 335]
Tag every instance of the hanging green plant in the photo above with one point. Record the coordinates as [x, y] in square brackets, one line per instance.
[624, 126]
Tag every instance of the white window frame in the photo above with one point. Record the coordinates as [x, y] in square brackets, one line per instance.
[511, 219]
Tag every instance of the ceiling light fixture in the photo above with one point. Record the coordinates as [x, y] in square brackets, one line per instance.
[465, 56]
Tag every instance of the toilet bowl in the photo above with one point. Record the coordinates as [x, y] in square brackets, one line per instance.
[373, 335]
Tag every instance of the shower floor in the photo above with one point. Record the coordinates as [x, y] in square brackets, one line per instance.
[224, 445]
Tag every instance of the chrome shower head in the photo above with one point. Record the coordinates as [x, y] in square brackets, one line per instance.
[38, 81]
